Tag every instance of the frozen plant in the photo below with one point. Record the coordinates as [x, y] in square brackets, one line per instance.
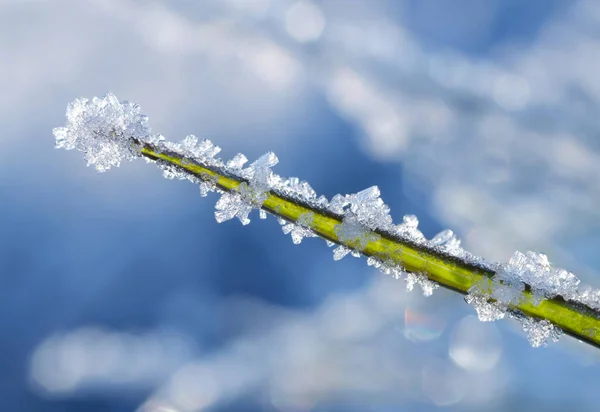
[545, 299]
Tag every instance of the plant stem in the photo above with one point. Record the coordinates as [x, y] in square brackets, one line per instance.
[575, 319]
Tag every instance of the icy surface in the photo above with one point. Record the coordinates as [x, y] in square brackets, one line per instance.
[103, 128]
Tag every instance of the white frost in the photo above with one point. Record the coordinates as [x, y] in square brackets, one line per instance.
[109, 131]
[103, 128]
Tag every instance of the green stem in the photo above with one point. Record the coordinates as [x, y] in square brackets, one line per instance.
[575, 319]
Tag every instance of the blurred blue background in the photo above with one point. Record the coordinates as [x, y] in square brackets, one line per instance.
[120, 292]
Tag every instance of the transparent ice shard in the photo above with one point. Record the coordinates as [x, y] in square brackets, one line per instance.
[103, 128]
[427, 285]
[486, 311]
[249, 195]
[369, 209]
[447, 242]
[533, 269]
[301, 228]
[354, 234]
[231, 205]
[297, 188]
[540, 331]
[237, 163]
[409, 229]
[340, 251]
[588, 296]
[338, 204]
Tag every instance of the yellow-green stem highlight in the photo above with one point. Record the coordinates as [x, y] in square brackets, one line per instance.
[574, 319]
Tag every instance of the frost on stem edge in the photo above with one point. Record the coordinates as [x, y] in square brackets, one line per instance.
[545, 299]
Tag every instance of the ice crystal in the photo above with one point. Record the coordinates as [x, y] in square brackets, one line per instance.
[249, 195]
[340, 251]
[447, 242]
[409, 229]
[540, 331]
[232, 205]
[423, 281]
[534, 270]
[353, 233]
[487, 311]
[298, 189]
[301, 228]
[103, 128]
[589, 296]
[369, 209]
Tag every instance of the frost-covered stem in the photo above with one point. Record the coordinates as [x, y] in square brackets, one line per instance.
[544, 298]
[576, 319]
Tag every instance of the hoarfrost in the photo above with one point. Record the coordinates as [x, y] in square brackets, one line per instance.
[298, 189]
[340, 251]
[249, 195]
[232, 205]
[589, 296]
[409, 229]
[369, 209]
[236, 164]
[427, 285]
[486, 311]
[109, 131]
[103, 128]
[353, 233]
[540, 331]
[301, 228]
[447, 242]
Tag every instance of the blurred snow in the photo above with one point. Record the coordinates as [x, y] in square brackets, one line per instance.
[479, 116]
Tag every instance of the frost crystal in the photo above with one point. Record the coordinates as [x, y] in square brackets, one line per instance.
[369, 209]
[354, 233]
[249, 195]
[486, 311]
[301, 228]
[340, 251]
[298, 189]
[427, 285]
[447, 242]
[409, 229]
[103, 128]
[232, 205]
[534, 269]
[589, 296]
[539, 331]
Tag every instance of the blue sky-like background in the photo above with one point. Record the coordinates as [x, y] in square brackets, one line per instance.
[120, 292]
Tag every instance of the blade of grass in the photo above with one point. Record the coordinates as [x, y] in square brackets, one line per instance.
[574, 318]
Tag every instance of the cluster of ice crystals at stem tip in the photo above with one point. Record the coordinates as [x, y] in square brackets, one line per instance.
[103, 128]
[109, 131]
